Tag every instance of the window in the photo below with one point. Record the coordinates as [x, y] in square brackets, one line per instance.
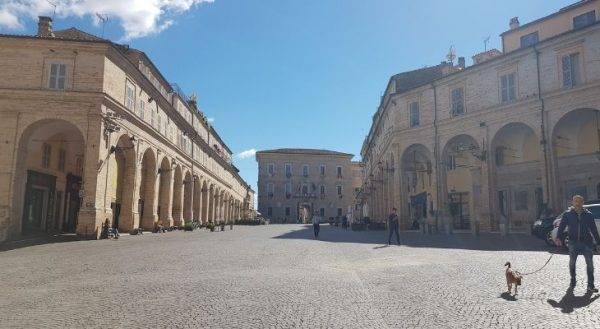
[339, 189]
[339, 171]
[414, 114]
[458, 102]
[322, 189]
[142, 108]
[521, 200]
[270, 169]
[322, 212]
[598, 191]
[152, 117]
[530, 39]
[305, 170]
[58, 76]
[129, 95]
[339, 212]
[451, 163]
[46, 153]
[507, 88]
[288, 211]
[304, 189]
[584, 20]
[270, 190]
[499, 155]
[288, 190]
[62, 156]
[160, 127]
[288, 170]
[269, 211]
[322, 170]
[570, 70]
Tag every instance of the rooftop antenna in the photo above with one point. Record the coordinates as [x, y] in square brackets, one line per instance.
[53, 4]
[103, 18]
[451, 55]
[485, 43]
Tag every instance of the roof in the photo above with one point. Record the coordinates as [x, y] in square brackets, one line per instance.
[305, 151]
[562, 10]
[409, 80]
[76, 34]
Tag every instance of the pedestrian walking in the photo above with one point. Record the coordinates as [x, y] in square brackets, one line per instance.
[393, 226]
[583, 236]
[316, 225]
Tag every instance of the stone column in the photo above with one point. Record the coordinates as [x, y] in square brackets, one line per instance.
[91, 213]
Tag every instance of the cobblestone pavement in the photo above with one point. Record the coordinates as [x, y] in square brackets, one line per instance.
[277, 276]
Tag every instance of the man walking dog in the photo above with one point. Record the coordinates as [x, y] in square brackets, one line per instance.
[583, 235]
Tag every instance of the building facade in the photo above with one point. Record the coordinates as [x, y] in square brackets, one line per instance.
[294, 184]
[91, 131]
[494, 145]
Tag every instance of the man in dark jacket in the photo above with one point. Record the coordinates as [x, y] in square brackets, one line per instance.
[393, 226]
[583, 235]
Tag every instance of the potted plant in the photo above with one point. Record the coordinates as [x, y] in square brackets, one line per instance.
[210, 226]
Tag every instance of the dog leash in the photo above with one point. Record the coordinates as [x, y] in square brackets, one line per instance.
[539, 269]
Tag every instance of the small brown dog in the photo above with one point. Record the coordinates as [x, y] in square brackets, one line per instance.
[512, 276]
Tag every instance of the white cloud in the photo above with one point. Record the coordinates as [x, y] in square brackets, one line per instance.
[138, 18]
[247, 154]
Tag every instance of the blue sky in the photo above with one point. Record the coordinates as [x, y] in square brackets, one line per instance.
[292, 73]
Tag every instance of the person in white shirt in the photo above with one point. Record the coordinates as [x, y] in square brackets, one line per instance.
[316, 227]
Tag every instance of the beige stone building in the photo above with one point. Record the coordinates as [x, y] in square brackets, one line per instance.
[92, 131]
[495, 144]
[293, 184]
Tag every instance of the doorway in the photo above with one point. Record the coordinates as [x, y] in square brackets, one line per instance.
[39, 202]
[459, 209]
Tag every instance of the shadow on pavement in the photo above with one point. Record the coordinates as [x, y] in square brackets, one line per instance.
[29, 241]
[484, 241]
[569, 302]
[507, 296]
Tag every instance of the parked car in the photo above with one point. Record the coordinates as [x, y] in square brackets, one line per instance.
[594, 208]
[542, 228]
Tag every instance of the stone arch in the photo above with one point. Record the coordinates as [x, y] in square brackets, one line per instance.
[417, 187]
[164, 194]
[146, 203]
[575, 146]
[461, 166]
[188, 188]
[177, 207]
[48, 177]
[516, 187]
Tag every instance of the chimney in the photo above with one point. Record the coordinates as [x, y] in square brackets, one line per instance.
[461, 63]
[45, 27]
[514, 23]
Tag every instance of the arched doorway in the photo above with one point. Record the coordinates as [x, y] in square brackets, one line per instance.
[461, 171]
[146, 203]
[418, 186]
[517, 178]
[164, 190]
[48, 177]
[576, 149]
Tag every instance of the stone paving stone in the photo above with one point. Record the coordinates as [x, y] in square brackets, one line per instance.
[277, 276]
